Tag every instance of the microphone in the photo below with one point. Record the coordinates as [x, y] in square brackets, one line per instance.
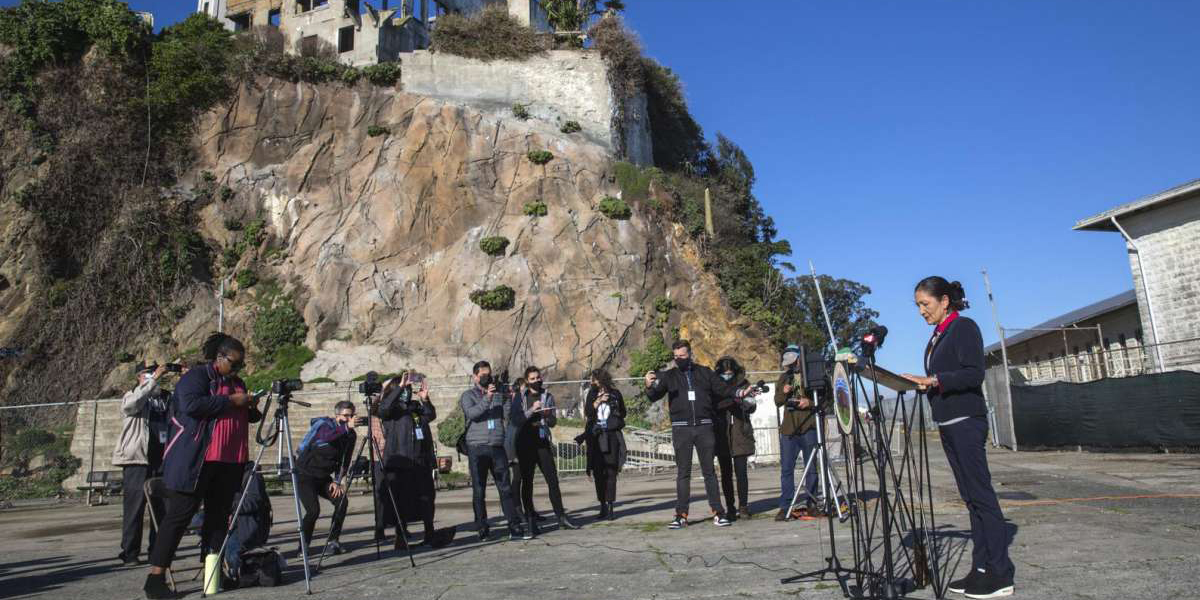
[876, 336]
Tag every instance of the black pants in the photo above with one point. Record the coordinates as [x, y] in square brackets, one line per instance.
[605, 478]
[308, 490]
[494, 460]
[216, 487]
[133, 510]
[964, 445]
[702, 439]
[729, 466]
[537, 456]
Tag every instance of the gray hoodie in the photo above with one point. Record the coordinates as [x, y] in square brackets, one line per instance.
[485, 418]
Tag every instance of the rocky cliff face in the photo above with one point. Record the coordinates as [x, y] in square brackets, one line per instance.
[381, 238]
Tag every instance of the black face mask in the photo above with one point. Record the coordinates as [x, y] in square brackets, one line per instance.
[536, 386]
[485, 381]
[683, 363]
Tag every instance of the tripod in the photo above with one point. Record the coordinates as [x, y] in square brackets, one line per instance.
[827, 478]
[278, 425]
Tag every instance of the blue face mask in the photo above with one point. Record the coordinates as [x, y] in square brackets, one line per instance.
[727, 376]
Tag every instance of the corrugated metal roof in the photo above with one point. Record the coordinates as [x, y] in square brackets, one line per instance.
[1081, 314]
[1101, 221]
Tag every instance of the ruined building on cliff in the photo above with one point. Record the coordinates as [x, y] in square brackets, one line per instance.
[363, 31]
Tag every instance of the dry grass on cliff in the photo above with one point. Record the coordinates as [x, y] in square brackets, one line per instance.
[492, 34]
[622, 51]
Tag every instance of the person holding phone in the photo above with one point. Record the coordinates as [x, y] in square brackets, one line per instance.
[205, 454]
[692, 393]
[604, 408]
[953, 381]
[322, 461]
[531, 417]
[408, 456]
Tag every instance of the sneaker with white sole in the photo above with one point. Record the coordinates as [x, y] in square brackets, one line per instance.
[679, 522]
[720, 520]
[960, 586]
[990, 586]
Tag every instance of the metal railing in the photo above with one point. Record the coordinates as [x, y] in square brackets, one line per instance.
[1092, 364]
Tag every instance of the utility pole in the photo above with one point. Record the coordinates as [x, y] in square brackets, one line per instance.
[987, 282]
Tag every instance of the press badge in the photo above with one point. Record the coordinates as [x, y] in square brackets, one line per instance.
[162, 437]
[420, 433]
[542, 431]
[691, 396]
[491, 423]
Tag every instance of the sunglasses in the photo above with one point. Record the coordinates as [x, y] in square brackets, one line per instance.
[234, 366]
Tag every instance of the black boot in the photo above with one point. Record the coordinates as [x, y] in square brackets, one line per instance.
[565, 523]
[603, 510]
[156, 587]
[612, 512]
[533, 528]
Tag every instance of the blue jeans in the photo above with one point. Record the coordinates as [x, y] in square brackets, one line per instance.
[792, 447]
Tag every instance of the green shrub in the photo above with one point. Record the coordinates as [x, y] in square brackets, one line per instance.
[229, 294]
[615, 208]
[246, 279]
[231, 255]
[227, 194]
[634, 180]
[277, 323]
[521, 111]
[285, 363]
[651, 357]
[663, 305]
[490, 34]
[233, 223]
[382, 74]
[59, 293]
[124, 357]
[378, 130]
[494, 245]
[449, 428]
[255, 231]
[571, 127]
[536, 209]
[321, 380]
[500, 298]
[540, 157]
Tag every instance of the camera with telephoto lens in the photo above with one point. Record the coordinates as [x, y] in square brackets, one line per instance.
[283, 387]
[760, 387]
[169, 367]
[371, 386]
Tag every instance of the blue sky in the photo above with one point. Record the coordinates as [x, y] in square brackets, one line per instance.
[894, 140]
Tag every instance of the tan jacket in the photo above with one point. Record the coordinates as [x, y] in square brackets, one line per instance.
[793, 422]
[135, 425]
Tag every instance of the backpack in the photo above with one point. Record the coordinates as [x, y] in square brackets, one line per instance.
[261, 567]
[318, 424]
[460, 445]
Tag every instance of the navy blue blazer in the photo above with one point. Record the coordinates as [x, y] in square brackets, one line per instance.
[956, 357]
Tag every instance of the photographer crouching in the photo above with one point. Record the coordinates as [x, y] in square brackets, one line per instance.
[322, 463]
[139, 453]
[205, 454]
[408, 458]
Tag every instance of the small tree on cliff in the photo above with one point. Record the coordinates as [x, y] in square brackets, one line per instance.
[572, 15]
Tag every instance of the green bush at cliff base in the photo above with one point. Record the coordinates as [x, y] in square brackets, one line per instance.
[499, 298]
[449, 428]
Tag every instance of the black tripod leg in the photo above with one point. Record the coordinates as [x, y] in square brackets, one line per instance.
[396, 512]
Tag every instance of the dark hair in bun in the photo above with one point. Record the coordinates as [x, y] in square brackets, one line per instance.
[938, 286]
[219, 343]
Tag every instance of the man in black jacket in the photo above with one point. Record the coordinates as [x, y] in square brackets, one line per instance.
[324, 456]
[692, 392]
